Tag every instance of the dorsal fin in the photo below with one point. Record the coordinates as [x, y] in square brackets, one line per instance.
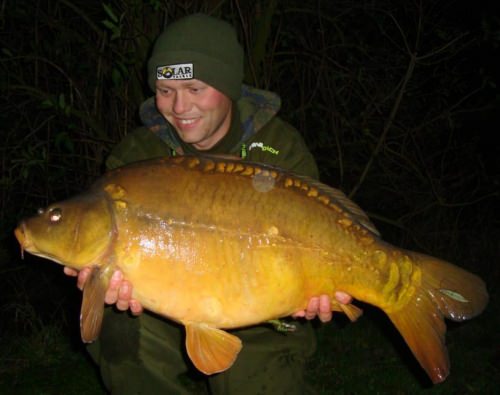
[342, 200]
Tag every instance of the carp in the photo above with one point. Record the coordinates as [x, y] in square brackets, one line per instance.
[217, 244]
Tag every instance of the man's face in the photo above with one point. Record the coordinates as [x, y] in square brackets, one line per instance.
[200, 114]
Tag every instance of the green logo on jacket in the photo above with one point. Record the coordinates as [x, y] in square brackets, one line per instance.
[264, 148]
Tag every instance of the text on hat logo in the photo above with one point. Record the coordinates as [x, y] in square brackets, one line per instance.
[183, 71]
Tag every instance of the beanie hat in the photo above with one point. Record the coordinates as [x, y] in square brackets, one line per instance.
[202, 47]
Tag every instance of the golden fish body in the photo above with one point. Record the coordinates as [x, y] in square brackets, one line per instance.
[214, 244]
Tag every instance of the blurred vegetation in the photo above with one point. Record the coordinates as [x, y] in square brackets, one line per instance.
[397, 100]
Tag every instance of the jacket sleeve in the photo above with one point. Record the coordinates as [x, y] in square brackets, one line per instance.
[279, 144]
[139, 145]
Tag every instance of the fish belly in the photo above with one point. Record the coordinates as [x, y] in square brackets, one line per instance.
[226, 280]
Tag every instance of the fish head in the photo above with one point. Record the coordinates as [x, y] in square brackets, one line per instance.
[76, 232]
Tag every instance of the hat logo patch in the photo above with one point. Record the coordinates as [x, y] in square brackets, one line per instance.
[182, 71]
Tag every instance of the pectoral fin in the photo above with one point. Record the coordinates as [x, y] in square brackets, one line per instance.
[93, 305]
[210, 349]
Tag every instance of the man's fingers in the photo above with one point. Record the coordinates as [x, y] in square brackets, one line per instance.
[312, 308]
[124, 296]
[70, 272]
[111, 296]
[299, 314]
[83, 275]
[342, 297]
[135, 307]
[325, 310]
[122, 305]
[119, 291]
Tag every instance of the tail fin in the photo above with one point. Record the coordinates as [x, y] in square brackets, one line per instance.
[446, 291]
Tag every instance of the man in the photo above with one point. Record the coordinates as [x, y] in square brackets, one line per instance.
[201, 106]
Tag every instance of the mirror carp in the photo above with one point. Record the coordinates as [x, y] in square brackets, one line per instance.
[216, 244]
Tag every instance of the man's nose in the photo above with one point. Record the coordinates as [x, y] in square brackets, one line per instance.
[181, 102]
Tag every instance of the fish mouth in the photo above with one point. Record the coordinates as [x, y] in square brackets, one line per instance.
[23, 239]
[27, 244]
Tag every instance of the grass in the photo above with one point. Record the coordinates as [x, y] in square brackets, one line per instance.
[40, 352]
[48, 363]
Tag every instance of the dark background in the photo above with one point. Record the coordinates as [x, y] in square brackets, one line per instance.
[397, 100]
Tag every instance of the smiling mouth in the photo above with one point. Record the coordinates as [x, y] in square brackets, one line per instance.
[187, 121]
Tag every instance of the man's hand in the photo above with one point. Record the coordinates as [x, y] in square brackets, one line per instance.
[320, 306]
[119, 290]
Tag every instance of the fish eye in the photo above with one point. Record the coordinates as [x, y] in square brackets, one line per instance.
[55, 214]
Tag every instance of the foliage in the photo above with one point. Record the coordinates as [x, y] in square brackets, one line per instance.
[395, 98]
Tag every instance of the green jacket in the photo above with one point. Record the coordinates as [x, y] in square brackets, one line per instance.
[265, 138]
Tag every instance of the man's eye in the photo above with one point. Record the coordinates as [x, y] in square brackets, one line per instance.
[196, 89]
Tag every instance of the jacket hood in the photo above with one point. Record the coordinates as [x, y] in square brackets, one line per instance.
[256, 108]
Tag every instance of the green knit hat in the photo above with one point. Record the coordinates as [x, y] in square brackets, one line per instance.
[202, 47]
